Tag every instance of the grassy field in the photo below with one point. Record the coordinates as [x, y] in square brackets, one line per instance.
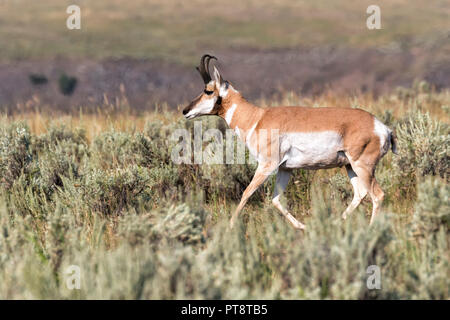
[177, 31]
[100, 191]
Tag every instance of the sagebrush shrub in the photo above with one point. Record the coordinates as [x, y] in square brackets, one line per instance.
[15, 152]
[54, 164]
[73, 141]
[432, 210]
[113, 149]
[180, 223]
[109, 192]
[424, 146]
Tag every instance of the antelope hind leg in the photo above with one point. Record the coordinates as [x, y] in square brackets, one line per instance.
[281, 183]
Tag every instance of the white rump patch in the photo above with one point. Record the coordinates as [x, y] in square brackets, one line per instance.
[382, 132]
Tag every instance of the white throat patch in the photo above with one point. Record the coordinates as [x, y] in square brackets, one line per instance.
[204, 107]
[230, 113]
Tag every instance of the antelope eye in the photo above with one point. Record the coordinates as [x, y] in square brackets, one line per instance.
[208, 92]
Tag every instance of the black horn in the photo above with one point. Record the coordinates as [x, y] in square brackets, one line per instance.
[203, 69]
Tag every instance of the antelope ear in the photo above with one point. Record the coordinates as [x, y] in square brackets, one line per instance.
[217, 76]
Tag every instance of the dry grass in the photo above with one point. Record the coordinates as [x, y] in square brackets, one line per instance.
[121, 117]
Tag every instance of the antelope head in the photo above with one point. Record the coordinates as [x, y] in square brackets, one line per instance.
[210, 100]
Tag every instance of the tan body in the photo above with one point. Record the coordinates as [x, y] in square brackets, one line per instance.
[285, 138]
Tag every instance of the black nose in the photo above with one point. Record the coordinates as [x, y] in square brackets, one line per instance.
[185, 111]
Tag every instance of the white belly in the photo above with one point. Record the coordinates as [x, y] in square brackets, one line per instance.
[312, 150]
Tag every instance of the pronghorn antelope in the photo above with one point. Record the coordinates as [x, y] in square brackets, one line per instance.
[310, 138]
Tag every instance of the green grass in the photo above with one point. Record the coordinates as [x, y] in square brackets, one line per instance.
[141, 227]
[178, 31]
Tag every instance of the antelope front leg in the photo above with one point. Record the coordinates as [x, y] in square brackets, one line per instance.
[262, 173]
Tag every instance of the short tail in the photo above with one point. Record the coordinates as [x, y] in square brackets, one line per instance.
[393, 139]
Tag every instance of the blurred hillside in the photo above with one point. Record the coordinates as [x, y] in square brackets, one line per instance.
[145, 51]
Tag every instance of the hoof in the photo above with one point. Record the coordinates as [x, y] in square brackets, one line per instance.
[299, 226]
